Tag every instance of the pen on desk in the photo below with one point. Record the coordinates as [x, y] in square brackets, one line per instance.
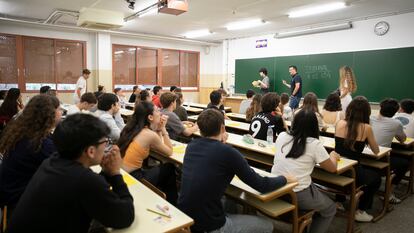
[156, 212]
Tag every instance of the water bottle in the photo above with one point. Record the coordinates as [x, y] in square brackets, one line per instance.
[269, 137]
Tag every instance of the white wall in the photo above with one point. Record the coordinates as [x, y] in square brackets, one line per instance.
[360, 37]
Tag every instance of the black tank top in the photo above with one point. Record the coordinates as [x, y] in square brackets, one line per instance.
[347, 152]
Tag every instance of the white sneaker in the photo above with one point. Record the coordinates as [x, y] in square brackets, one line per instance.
[362, 216]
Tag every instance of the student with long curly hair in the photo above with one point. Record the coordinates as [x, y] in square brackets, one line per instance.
[25, 143]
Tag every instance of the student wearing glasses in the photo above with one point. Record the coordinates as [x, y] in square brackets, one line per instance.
[65, 194]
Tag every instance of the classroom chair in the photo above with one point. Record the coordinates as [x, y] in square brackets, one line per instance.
[285, 210]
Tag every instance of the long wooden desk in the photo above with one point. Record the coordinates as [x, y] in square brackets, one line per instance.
[203, 106]
[241, 126]
[193, 110]
[237, 116]
[146, 221]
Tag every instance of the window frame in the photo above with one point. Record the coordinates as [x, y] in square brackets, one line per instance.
[20, 59]
[159, 66]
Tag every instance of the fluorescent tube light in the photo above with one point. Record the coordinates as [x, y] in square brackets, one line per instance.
[244, 24]
[197, 33]
[317, 9]
[314, 30]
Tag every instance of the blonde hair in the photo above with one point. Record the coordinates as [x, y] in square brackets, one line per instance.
[345, 72]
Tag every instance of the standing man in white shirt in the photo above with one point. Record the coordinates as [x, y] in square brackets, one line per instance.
[81, 85]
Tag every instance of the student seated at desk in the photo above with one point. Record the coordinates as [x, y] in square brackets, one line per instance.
[284, 107]
[65, 195]
[11, 106]
[351, 136]
[246, 103]
[121, 96]
[254, 108]
[86, 103]
[135, 91]
[297, 153]
[25, 143]
[175, 126]
[385, 129]
[310, 101]
[144, 95]
[108, 112]
[332, 110]
[144, 131]
[156, 91]
[405, 116]
[266, 118]
[101, 90]
[180, 110]
[216, 102]
[208, 168]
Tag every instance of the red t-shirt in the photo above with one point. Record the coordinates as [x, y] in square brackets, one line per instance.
[156, 100]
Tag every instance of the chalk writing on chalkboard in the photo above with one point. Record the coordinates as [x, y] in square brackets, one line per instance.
[317, 72]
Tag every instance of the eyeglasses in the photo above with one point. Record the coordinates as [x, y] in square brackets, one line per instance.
[108, 145]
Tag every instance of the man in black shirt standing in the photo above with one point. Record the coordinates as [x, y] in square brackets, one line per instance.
[295, 87]
[208, 168]
[64, 195]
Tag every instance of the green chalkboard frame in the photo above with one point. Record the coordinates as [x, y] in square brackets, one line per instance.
[380, 74]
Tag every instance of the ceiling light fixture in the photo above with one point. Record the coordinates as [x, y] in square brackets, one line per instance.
[314, 30]
[245, 24]
[197, 33]
[317, 9]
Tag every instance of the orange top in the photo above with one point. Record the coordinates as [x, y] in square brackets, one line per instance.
[135, 155]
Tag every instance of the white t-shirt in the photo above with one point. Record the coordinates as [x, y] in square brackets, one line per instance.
[244, 105]
[301, 167]
[287, 113]
[72, 110]
[385, 129]
[407, 120]
[80, 84]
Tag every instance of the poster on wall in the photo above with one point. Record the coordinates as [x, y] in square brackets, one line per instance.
[261, 43]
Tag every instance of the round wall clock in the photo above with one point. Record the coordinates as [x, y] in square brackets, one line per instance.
[381, 28]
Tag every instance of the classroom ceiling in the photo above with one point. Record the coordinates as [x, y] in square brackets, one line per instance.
[209, 14]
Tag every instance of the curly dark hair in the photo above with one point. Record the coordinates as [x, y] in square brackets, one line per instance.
[35, 123]
[333, 103]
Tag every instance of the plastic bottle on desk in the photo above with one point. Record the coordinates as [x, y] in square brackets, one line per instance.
[269, 134]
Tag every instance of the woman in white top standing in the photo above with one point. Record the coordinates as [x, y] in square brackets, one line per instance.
[297, 154]
[347, 85]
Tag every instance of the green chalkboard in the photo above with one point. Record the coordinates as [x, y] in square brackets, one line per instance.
[379, 73]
